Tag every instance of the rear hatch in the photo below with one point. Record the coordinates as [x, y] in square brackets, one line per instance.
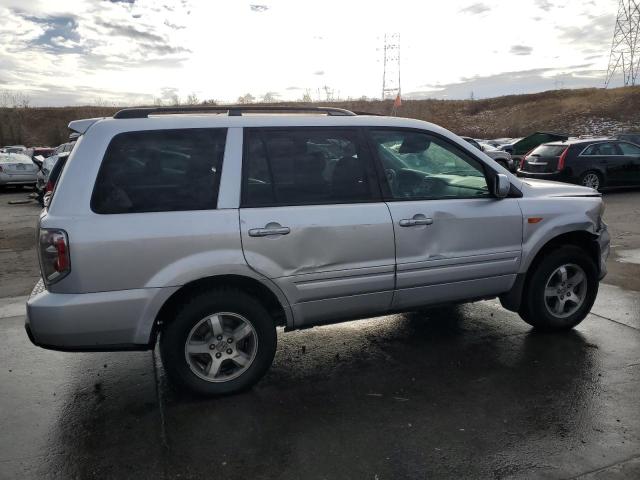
[17, 164]
[543, 159]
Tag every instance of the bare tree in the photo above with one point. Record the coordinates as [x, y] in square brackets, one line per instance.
[306, 97]
[192, 99]
[247, 98]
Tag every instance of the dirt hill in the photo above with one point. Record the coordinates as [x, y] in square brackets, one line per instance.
[577, 112]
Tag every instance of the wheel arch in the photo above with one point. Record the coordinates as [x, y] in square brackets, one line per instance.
[579, 238]
[276, 305]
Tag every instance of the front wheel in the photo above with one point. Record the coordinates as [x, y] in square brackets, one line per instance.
[560, 290]
[220, 342]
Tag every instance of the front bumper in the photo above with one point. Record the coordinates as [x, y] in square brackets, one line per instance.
[101, 321]
[604, 249]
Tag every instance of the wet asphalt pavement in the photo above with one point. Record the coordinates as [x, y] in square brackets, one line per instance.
[468, 391]
[463, 392]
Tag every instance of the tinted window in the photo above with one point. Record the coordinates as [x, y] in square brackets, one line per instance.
[629, 149]
[549, 150]
[418, 165]
[160, 171]
[601, 149]
[305, 166]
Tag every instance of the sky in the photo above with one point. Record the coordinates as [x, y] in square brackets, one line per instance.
[127, 52]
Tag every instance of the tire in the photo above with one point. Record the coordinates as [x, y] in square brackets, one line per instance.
[544, 294]
[590, 178]
[194, 371]
[502, 164]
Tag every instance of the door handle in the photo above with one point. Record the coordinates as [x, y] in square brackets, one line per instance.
[416, 220]
[270, 229]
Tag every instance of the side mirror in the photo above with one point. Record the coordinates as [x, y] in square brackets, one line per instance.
[502, 185]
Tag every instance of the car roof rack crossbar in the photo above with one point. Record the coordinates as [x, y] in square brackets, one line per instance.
[231, 110]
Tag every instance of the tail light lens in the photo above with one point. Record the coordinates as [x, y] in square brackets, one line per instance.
[49, 187]
[524, 157]
[53, 249]
[562, 158]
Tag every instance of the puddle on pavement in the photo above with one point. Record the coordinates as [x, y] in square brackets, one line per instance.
[628, 256]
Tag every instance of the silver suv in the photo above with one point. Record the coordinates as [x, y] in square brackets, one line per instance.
[208, 229]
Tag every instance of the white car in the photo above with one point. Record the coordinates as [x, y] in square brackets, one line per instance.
[502, 158]
[17, 169]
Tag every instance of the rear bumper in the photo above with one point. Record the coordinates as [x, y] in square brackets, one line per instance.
[17, 179]
[102, 321]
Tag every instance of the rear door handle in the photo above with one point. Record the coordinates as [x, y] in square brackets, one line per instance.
[269, 229]
[418, 219]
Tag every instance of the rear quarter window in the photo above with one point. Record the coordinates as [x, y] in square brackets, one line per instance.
[160, 171]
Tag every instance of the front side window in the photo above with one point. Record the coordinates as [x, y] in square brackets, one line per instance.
[629, 149]
[160, 171]
[305, 166]
[422, 166]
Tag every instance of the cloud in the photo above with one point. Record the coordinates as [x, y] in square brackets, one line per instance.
[545, 5]
[58, 34]
[476, 8]
[520, 50]
[512, 83]
[258, 8]
[319, 72]
[293, 88]
[596, 33]
[129, 31]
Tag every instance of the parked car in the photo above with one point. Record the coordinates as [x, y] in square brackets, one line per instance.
[502, 158]
[209, 231]
[48, 177]
[594, 163]
[528, 143]
[47, 167]
[14, 149]
[633, 137]
[17, 169]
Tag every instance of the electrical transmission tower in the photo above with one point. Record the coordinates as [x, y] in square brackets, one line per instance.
[625, 49]
[391, 66]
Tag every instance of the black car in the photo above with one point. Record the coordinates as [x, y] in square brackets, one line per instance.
[528, 143]
[594, 163]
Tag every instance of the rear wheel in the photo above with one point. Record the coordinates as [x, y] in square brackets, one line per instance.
[592, 179]
[560, 290]
[220, 342]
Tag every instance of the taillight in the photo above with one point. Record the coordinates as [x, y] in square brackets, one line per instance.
[562, 158]
[48, 187]
[524, 157]
[55, 262]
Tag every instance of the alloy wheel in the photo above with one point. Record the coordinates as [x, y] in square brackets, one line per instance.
[565, 290]
[591, 180]
[221, 347]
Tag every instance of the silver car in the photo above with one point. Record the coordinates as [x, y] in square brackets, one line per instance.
[209, 231]
[17, 169]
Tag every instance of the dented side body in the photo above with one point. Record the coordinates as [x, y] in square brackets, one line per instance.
[338, 261]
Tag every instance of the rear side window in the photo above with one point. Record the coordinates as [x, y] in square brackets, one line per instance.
[601, 149]
[160, 171]
[549, 150]
[304, 167]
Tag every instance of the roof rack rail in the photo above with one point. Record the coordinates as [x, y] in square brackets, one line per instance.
[232, 110]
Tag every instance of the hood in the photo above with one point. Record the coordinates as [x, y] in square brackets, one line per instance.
[548, 188]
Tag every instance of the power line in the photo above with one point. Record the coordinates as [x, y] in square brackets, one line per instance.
[625, 49]
[391, 66]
